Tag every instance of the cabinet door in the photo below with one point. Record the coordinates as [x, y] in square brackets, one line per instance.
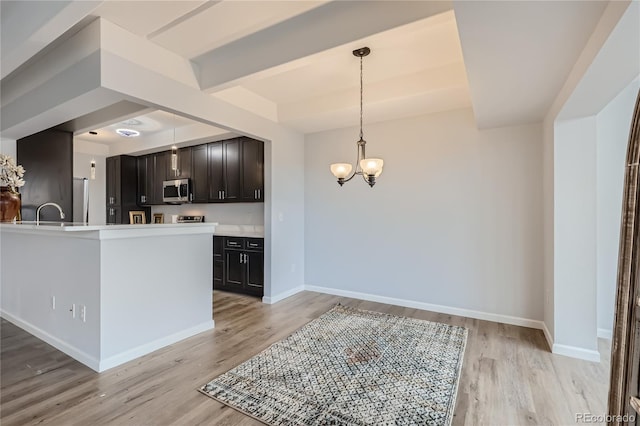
[143, 196]
[114, 215]
[113, 181]
[233, 270]
[232, 168]
[184, 163]
[252, 170]
[200, 174]
[160, 174]
[218, 274]
[254, 282]
[216, 172]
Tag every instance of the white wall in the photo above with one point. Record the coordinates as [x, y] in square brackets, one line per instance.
[455, 218]
[8, 147]
[613, 125]
[575, 236]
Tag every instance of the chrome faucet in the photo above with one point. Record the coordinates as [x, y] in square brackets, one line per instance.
[48, 204]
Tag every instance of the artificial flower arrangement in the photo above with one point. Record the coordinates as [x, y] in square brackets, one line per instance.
[11, 174]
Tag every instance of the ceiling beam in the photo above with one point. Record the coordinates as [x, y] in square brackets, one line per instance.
[325, 27]
[27, 27]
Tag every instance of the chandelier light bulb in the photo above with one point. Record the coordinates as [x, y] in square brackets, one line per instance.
[341, 170]
[371, 166]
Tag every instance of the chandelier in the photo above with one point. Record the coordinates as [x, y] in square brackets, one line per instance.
[368, 168]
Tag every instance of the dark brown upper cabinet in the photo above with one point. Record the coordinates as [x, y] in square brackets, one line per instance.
[227, 171]
[252, 170]
[216, 172]
[145, 179]
[200, 174]
[236, 170]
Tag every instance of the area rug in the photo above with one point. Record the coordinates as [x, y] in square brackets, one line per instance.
[351, 367]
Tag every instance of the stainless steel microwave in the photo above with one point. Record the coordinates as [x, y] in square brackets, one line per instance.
[176, 191]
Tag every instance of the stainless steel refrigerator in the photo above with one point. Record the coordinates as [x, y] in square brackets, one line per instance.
[80, 200]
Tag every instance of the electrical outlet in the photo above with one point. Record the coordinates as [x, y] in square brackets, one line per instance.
[83, 313]
[73, 310]
[53, 303]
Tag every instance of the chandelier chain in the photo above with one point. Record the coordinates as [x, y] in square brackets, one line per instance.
[361, 98]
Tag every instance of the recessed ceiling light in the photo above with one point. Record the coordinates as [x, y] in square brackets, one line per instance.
[93, 133]
[132, 122]
[128, 133]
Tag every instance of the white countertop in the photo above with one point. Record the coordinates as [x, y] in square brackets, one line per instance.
[80, 230]
[126, 230]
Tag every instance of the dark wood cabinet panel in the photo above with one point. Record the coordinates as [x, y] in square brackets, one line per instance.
[241, 268]
[252, 170]
[113, 180]
[162, 162]
[254, 280]
[216, 172]
[47, 157]
[200, 174]
[233, 270]
[145, 188]
[232, 169]
[122, 188]
[184, 163]
[218, 263]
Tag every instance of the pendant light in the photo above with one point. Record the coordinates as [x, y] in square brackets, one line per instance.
[368, 168]
[174, 151]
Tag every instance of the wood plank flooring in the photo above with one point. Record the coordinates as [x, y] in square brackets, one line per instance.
[509, 377]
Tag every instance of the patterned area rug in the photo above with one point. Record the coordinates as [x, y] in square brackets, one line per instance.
[351, 367]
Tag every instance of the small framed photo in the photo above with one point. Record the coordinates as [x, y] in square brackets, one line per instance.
[158, 218]
[137, 217]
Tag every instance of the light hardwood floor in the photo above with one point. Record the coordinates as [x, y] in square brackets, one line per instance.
[509, 377]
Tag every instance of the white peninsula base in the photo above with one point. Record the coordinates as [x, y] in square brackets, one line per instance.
[105, 295]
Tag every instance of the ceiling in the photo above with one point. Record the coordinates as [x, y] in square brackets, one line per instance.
[506, 60]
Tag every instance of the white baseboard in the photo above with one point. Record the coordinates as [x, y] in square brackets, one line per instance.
[547, 335]
[131, 354]
[278, 297]
[486, 316]
[113, 361]
[603, 333]
[576, 352]
[68, 349]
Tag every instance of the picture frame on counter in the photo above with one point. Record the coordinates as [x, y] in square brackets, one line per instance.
[158, 218]
[137, 217]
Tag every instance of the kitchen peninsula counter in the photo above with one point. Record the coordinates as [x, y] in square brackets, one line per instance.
[107, 294]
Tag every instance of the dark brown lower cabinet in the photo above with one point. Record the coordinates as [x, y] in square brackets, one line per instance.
[238, 265]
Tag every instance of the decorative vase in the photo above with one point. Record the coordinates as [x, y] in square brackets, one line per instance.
[9, 204]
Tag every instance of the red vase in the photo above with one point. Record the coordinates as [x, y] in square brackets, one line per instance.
[9, 204]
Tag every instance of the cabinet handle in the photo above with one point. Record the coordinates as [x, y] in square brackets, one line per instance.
[259, 193]
[223, 195]
[255, 194]
[219, 195]
[241, 257]
[191, 197]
